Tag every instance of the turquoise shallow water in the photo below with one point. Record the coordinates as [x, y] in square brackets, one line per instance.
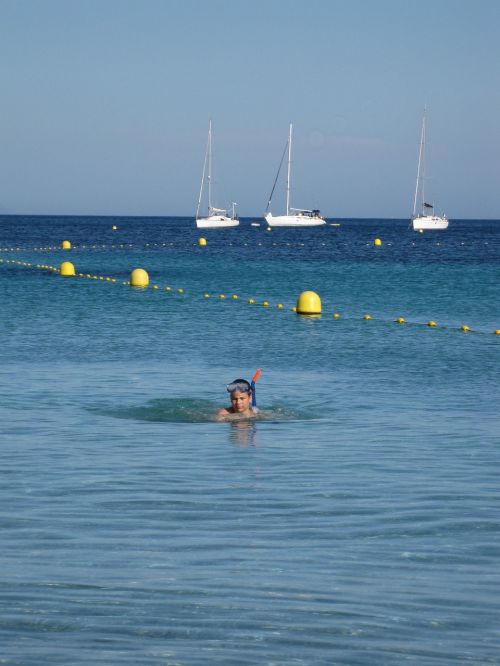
[359, 524]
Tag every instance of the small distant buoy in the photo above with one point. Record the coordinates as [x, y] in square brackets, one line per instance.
[400, 320]
[180, 291]
[156, 286]
[67, 269]
[377, 242]
[206, 295]
[367, 317]
[114, 227]
[294, 309]
[336, 315]
[269, 229]
[464, 328]
[139, 278]
[420, 231]
[309, 303]
[222, 296]
[431, 323]
[202, 242]
[497, 332]
[65, 245]
[280, 306]
[234, 297]
[251, 301]
[265, 304]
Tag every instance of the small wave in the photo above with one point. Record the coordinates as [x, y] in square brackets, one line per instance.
[164, 410]
[189, 410]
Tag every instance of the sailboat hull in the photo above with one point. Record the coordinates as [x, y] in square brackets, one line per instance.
[216, 222]
[294, 220]
[422, 222]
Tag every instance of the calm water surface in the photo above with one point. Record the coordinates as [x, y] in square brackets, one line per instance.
[358, 524]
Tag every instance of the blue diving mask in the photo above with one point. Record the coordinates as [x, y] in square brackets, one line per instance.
[240, 385]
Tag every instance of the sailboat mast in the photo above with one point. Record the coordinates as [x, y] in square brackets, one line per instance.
[420, 157]
[210, 167]
[423, 163]
[203, 178]
[288, 173]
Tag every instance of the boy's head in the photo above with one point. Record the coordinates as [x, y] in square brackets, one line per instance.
[240, 392]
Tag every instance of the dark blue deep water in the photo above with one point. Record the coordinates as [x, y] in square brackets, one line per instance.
[357, 524]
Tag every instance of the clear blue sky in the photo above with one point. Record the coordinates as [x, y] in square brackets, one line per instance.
[105, 104]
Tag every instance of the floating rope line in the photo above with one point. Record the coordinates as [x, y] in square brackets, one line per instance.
[235, 298]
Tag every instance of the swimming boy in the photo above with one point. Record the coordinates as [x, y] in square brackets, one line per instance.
[240, 393]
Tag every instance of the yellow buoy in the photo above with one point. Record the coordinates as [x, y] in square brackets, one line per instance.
[420, 231]
[222, 296]
[180, 291]
[269, 229]
[279, 306]
[67, 269]
[377, 242]
[206, 295]
[497, 332]
[400, 320]
[139, 278]
[265, 304]
[309, 303]
[202, 242]
[234, 297]
[464, 328]
[431, 324]
[251, 301]
[65, 245]
[336, 315]
[367, 317]
[114, 227]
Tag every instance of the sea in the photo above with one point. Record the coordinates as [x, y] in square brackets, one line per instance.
[355, 522]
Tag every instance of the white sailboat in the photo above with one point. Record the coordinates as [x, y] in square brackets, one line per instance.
[294, 217]
[217, 217]
[426, 219]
